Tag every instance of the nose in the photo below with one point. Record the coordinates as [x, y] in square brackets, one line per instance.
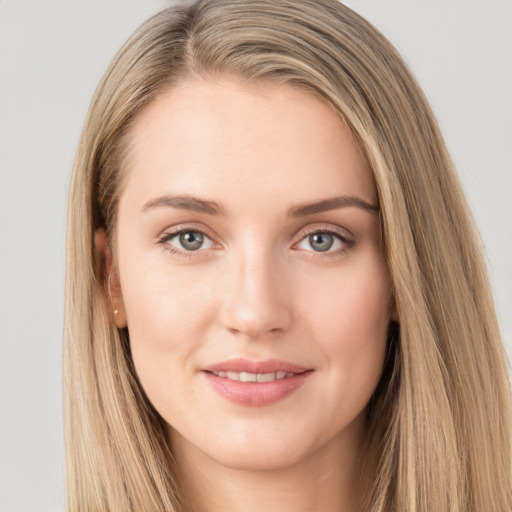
[257, 303]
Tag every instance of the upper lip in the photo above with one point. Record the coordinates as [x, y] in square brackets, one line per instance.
[246, 365]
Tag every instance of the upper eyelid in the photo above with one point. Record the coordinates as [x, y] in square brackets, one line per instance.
[322, 228]
[326, 229]
[343, 234]
[176, 230]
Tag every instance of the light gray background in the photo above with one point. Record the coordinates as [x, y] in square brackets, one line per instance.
[52, 54]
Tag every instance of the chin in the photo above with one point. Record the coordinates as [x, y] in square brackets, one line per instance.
[259, 457]
[249, 449]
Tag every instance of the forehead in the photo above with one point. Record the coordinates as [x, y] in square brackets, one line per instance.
[225, 135]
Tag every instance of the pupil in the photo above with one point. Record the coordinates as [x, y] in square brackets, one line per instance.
[191, 240]
[321, 242]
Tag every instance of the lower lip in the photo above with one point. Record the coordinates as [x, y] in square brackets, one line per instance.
[256, 394]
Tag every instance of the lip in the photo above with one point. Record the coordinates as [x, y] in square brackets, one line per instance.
[245, 365]
[256, 394]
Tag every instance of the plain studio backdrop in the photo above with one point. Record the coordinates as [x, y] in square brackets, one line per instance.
[52, 55]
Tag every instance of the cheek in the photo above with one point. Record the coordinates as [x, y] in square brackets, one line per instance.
[352, 302]
[168, 314]
[349, 318]
[162, 303]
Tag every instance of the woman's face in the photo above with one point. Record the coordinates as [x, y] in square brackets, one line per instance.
[252, 276]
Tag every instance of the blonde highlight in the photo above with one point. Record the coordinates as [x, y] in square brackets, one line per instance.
[439, 424]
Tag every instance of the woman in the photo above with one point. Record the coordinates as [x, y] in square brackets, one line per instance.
[276, 296]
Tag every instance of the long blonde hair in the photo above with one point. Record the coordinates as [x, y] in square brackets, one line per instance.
[439, 423]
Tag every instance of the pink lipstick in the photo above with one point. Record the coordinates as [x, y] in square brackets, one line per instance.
[255, 383]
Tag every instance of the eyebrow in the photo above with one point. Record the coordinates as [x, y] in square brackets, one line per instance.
[191, 203]
[184, 202]
[332, 204]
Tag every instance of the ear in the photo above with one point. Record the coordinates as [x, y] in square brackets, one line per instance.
[111, 282]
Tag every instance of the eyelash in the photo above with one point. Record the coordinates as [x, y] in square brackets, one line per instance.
[187, 254]
[348, 243]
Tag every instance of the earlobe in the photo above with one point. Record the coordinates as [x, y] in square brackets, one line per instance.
[109, 277]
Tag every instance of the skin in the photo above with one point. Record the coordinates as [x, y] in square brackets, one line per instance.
[257, 288]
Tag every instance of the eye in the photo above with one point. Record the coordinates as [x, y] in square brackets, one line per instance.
[324, 241]
[187, 240]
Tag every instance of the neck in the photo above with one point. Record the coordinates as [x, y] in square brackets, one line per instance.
[326, 480]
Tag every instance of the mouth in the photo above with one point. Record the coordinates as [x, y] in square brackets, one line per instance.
[256, 384]
[254, 377]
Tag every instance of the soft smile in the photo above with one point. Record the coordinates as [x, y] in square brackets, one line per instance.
[254, 383]
[254, 377]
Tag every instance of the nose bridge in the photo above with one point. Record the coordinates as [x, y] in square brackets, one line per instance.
[257, 303]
